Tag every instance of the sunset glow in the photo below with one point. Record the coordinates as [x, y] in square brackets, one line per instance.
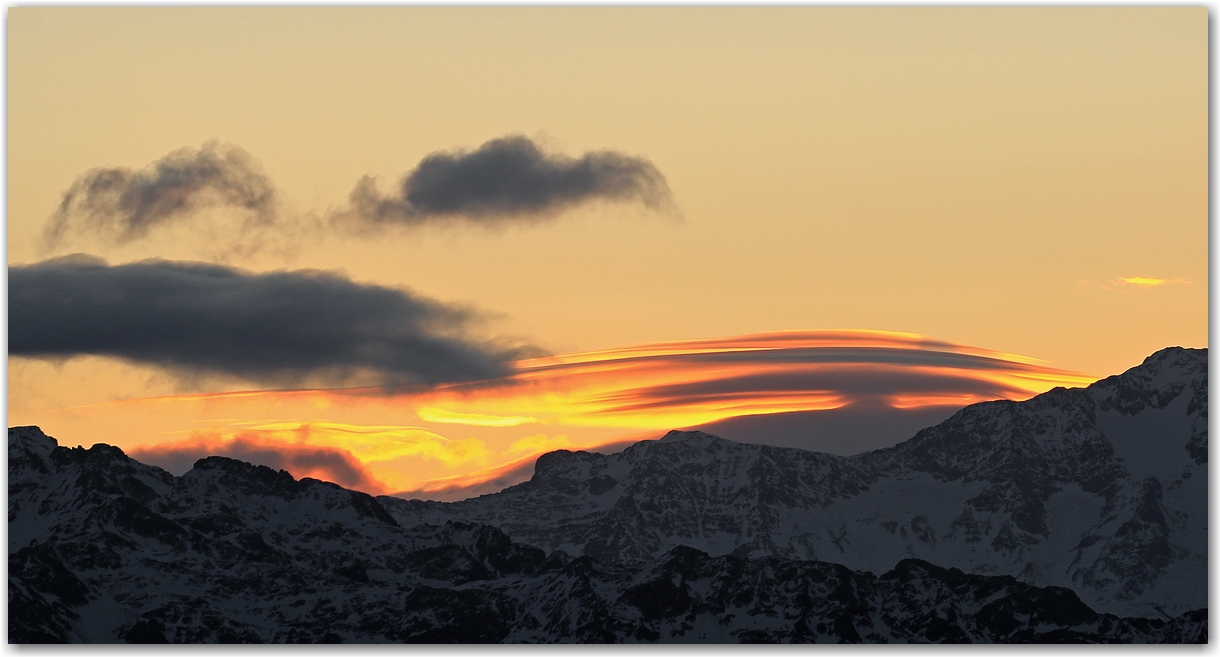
[322, 276]
[386, 441]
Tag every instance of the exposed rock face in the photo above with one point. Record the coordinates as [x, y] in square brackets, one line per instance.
[1077, 516]
[1101, 489]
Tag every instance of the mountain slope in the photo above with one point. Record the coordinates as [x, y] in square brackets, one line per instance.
[98, 540]
[1101, 489]
[105, 549]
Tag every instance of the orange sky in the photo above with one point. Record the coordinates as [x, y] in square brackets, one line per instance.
[1029, 180]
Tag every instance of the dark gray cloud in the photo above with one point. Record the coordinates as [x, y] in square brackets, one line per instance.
[284, 328]
[122, 204]
[505, 179]
[856, 381]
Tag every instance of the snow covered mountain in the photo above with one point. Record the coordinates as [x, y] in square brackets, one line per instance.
[105, 549]
[1102, 490]
[102, 546]
[690, 538]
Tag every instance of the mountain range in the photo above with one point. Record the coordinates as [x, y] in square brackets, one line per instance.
[1079, 515]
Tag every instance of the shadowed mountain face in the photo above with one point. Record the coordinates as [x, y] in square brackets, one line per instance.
[1078, 516]
[1102, 489]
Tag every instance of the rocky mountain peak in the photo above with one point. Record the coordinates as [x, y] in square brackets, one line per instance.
[1156, 382]
[565, 464]
[678, 436]
[249, 478]
[31, 438]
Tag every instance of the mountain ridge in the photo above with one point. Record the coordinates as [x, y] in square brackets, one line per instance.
[141, 556]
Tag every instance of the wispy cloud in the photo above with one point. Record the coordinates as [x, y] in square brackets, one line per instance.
[474, 419]
[121, 204]
[286, 328]
[539, 443]
[1130, 284]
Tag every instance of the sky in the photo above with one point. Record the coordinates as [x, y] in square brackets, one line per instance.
[410, 249]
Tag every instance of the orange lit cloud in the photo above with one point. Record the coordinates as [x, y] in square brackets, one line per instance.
[539, 444]
[1144, 281]
[383, 443]
[468, 433]
[367, 458]
[491, 480]
[462, 486]
[302, 460]
[1128, 284]
[476, 419]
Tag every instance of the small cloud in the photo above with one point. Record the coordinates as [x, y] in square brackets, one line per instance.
[539, 444]
[1129, 284]
[1145, 281]
[505, 180]
[473, 419]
